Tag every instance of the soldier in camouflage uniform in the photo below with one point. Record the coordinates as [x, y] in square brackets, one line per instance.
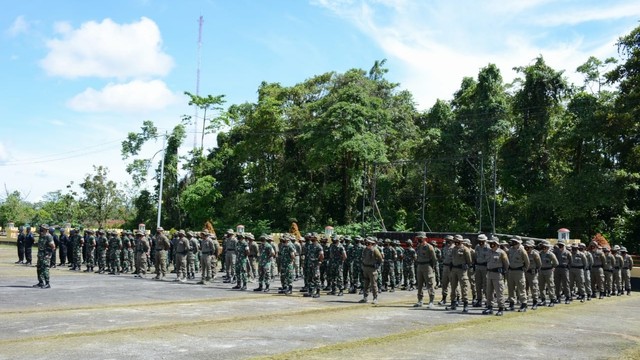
[76, 241]
[408, 266]
[192, 255]
[446, 269]
[115, 247]
[46, 247]
[399, 261]
[230, 243]
[297, 263]
[388, 267]
[182, 249]
[425, 263]
[356, 282]
[306, 272]
[206, 255]
[347, 269]
[126, 247]
[287, 257]
[264, 263]
[324, 265]
[91, 244]
[316, 257]
[161, 246]
[371, 261]
[242, 253]
[337, 256]
[102, 246]
[252, 263]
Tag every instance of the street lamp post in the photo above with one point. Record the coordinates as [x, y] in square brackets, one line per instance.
[164, 140]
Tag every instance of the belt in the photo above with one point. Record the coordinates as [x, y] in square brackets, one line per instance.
[596, 266]
[578, 267]
[369, 266]
[625, 268]
[494, 270]
[457, 266]
[230, 250]
[616, 268]
[517, 269]
[609, 270]
[206, 253]
[546, 268]
[423, 262]
[563, 266]
[481, 264]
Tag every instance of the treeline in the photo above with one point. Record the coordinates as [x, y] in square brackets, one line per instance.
[351, 150]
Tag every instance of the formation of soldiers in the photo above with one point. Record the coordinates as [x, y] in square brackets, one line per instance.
[537, 274]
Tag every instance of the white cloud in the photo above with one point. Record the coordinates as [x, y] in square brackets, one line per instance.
[107, 50]
[582, 15]
[132, 97]
[19, 26]
[4, 154]
[432, 45]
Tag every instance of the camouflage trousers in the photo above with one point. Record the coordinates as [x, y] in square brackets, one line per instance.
[334, 278]
[561, 279]
[426, 276]
[76, 261]
[161, 263]
[141, 263]
[546, 284]
[409, 274]
[369, 281]
[286, 274]
[314, 277]
[347, 271]
[252, 267]
[388, 274]
[43, 269]
[356, 275]
[90, 258]
[264, 274]
[102, 259]
[115, 261]
[576, 279]
[531, 284]
[191, 264]
[398, 271]
[516, 285]
[241, 270]
[127, 259]
[324, 267]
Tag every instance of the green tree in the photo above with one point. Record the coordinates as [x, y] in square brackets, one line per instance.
[100, 197]
[196, 200]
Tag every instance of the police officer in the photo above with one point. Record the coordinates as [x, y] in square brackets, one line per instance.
[371, 261]
[425, 263]
[482, 256]
[518, 265]
[28, 245]
[548, 263]
[161, 246]
[20, 243]
[230, 243]
[497, 266]
[460, 262]
[531, 275]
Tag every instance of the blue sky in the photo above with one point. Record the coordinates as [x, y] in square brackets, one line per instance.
[77, 76]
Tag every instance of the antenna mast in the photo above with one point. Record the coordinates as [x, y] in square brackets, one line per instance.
[195, 117]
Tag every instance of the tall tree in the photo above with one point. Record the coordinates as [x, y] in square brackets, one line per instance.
[101, 196]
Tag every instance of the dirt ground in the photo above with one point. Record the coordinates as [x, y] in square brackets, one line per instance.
[91, 316]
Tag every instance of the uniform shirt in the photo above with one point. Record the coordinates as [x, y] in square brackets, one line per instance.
[598, 257]
[535, 263]
[563, 256]
[389, 254]
[44, 246]
[578, 260]
[371, 256]
[425, 255]
[589, 258]
[627, 262]
[337, 254]
[287, 253]
[497, 259]
[182, 246]
[91, 242]
[314, 252]
[230, 243]
[446, 254]
[266, 253]
[207, 246]
[609, 261]
[461, 256]
[242, 249]
[194, 245]
[399, 253]
[482, 254]
[162, 243]
[548, 260]
[409, 256]
[618, 263]
[518, 258]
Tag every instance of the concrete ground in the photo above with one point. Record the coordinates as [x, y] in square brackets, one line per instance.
[91, 316]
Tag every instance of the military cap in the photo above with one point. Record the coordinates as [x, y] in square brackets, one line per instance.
[493, 240]
[529, 243]
[582, 245]
[561, 241]
[269, 238]
[335, 238]
[448, 237]
[396, 242]
[433, 242]
[181, 232]
[358, 238]
[466, 241]
[409, 242]
[503, 243]
[139, 233]
[545, 243]
[606, 249]
[347, 238]
[482, 237]
[595, 243]
[516, 239]
[421, 234]
[457, 237]
[229, 231]
[159, 228]
[249, 236]
[44, 226]
[387, 241]
[369, 240]
[616, 247]
[623, 249]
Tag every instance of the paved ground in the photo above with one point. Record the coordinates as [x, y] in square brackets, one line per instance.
[91, 316]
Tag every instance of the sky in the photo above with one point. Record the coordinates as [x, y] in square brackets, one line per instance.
[76, 76]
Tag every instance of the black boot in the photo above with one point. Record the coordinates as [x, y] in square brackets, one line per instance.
[465, 307]
[266, 288]
[488, 310]
[47, 285]
[523, 307]
[534, 305]
[259, 288]
[499, 313]
[443, 301]
[340, 293]
[38, 285]
[289, 290]
[511, 306]
[316, 294]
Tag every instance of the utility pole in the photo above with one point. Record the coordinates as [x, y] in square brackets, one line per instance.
[164, 140]
[195, 117]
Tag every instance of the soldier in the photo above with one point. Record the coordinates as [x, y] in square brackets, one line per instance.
[192, 255]
[371, 261]
[532, 275]
[161, 246]
[617, 280]
[561, 273]
[315, 255]
[446, 269]
[287, 257]
[206, 255]
[440, 267]
[129, 251]
[399, 261]
[388, 267]
[409, 264]
[46, 247]
[460, 262]
[608, 270]
[28, 246]
[358, 248]
[518, 265]
[102, 245]
[324, 264]
[230, 259]
[90, 245]
[497, 266]
[576, 273]
[115, 249]
[597, 271]
[471, 272]
[347, 269]
[182, 250]
[142, 250]
[482, 252]
[426, 261]
[548, 263]
[20, 243]
[337, 257]
[265, 255]
[63, 239]
[56, 241]
[587, 270]
[627, 266]
[76, 243]
[254, 251]
[242, 253]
